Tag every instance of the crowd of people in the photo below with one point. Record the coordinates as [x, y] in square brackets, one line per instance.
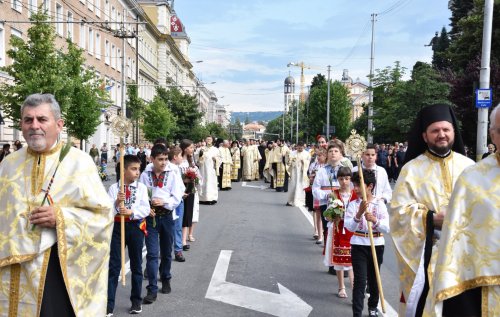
[64, 227]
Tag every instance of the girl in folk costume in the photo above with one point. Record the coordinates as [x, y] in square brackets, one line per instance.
[313, 204]
[236, 155]
[338, 245]
[188, 166]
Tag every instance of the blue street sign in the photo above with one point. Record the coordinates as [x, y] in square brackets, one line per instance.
[483, 98]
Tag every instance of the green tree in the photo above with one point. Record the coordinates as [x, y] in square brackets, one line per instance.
[235, 130]
[185, 109]
[396, 102]
[135, 108]
[36, 68]
[159, 121]
[317, 81]
[247, 119]
[340, 109]
[87, 98]
[216, 130]
[439, 58]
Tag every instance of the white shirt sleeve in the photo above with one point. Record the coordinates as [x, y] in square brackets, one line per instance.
[384, 190]
[320, 179]
[349, 215]
[175, 188]
[141, 207]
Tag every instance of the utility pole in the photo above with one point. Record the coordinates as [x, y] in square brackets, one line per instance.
[291, 120]
[484, 79]
[283, 117]
[370, 100]
[307, 112]
[137, 76]
[328, 106]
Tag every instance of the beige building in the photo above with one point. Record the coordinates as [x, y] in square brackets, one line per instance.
[157, 56]
[357, 92]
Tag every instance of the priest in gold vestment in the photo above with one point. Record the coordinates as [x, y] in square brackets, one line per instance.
[467, 274]
[248, 154]
[279, 169]
[434, 161]
[54, 252]
[299, 165]
[236, 156]
[225, 166]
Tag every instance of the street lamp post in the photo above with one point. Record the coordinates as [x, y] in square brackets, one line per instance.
[328, 105]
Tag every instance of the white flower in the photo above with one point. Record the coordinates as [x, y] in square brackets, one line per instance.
[337, 203]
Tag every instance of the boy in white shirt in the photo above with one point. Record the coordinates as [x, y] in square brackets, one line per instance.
[166, 189]
[135, 209]
[356, 219]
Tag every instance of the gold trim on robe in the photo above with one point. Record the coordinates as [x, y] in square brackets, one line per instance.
[424, 184]
[472, 223]
[84, 221]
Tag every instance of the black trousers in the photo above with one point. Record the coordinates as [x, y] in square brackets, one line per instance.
[466, 304]
[55, 300]
[362, 265]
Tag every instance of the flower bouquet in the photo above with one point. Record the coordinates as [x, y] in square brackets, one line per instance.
[191, 179]
[335, 211]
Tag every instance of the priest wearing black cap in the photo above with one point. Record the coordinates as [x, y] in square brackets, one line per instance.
[434, 160]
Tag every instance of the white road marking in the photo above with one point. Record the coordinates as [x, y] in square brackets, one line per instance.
[244, 184]
[284, 304]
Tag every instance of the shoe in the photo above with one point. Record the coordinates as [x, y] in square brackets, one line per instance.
[191, 238]
[319, 241]
[332, 271]
[186, 247]
[342, 293]
[149, 299]
[165, 287]
[109, 312]
[288, 204]
[373, 312]
[179, 257]
[315, 236]
[145, 274]
[135, 309]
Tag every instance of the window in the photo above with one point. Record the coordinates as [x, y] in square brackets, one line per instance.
[90, 5]
[106, 10]
[69, 26]
[82, 35]
[113, 56]
[97, 4]
[91, 41]
[32, 7]
[97, 46]
[107, 52]
[133, 68]
[113, 18]
[59, 19]
[2, 45]
[46, 7]
[129, 67]
[118, 59]
[16, 32]
[119, 95]
[17, 5]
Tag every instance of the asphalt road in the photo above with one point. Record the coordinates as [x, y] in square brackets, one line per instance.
[270, 244]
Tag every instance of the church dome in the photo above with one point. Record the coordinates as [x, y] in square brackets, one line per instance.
[289, 80]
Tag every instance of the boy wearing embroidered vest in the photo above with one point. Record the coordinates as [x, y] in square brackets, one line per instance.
[135, 209]
[356, 219]
[164, 186]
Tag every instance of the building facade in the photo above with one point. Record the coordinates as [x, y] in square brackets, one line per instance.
[152, 54]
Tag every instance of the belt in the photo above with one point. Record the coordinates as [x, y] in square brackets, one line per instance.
[329, 187]
[127, 219]
[161, 211]
[366, 234]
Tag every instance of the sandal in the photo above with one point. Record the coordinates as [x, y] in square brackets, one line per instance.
[315, 236]
[342, 293]
[191, 239]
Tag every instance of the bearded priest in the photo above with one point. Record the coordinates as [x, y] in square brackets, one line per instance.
[465, 283]
[434, 160]
[55, 223]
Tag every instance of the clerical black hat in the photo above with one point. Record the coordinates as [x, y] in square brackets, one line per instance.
[426, 117]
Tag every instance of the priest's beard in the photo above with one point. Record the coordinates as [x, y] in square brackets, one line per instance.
[441, 150]
[37, 144]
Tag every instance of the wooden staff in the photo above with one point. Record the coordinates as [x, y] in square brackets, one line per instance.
[370, 234]
[122, 217]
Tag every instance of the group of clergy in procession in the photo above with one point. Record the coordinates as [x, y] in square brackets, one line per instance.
[62, 232]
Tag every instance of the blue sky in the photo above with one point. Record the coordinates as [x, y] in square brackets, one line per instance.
[246, 45]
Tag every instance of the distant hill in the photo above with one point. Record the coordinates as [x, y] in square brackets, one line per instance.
[265, 116]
